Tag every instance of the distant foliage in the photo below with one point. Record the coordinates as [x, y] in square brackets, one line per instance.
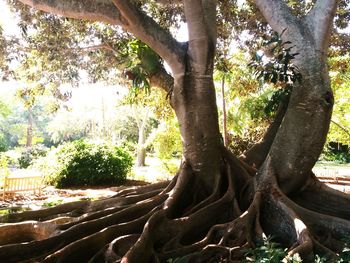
[81, 163]
[30, 154]
[166, 141]
[336, 152]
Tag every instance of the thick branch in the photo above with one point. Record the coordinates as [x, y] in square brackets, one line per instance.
[280, 18]
[103, 11]
[342, 128]
[320, 20]
[148, 31]
[122, 13]
[161, 79]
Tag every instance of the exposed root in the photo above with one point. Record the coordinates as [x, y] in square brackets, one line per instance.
[179, 220]
[318, 197]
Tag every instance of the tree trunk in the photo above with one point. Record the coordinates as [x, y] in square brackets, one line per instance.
[224, 116]
[306, 122]
[195, 107]
[141, 118]
[216, 206]
[29, 140]
[141, 150]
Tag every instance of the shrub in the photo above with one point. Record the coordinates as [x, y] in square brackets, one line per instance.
[333, 154]
[80, 163]
[265, 251]
[29, 154]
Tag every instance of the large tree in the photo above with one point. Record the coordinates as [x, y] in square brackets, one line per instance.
[217, 204]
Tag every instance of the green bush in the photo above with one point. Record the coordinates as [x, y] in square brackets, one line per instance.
[81, 163]
[333, 154]
[30, 154]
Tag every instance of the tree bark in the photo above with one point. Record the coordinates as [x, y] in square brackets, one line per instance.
[224, 115]
[307, 119]
[216, 206]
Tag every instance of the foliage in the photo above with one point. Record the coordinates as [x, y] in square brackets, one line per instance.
[128, 146]
[30, 154]
[249, 117]
[278, 67]
[270, 252]
[14, 119]
[335, 154]
[266, 251]
[340, 81]
[141, 62]
[345, 253]
[5, 111]
[241, 90]
[81, 163]
[52, 203]
[4, 166]
[170, 166]
[166, 140]
[68, 126]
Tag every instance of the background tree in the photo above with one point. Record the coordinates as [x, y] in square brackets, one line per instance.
[217, 204]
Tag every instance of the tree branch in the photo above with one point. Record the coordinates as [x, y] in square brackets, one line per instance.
[103, 11]
[162, 79]
[320, 19]
[342, 128]
[280, 18]
[201, 22]
[148, 31]
[125, 14]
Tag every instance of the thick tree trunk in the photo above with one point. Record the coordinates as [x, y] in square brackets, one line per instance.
[217, 205]
[303, 132]
[195, 107]
[224, 115]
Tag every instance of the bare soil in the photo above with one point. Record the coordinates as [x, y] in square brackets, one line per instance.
[51, 196]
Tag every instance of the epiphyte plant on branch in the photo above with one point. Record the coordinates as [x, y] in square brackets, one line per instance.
[217, 205]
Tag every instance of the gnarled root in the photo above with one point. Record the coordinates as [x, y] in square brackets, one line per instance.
[164, 221]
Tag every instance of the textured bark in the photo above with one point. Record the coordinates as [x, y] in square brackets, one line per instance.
[306, 122]
[224, 114]
[217, 205]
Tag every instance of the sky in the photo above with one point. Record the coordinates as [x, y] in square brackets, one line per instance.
[7, 19]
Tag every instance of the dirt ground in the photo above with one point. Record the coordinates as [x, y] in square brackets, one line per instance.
[50, 196]
[151, 173]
